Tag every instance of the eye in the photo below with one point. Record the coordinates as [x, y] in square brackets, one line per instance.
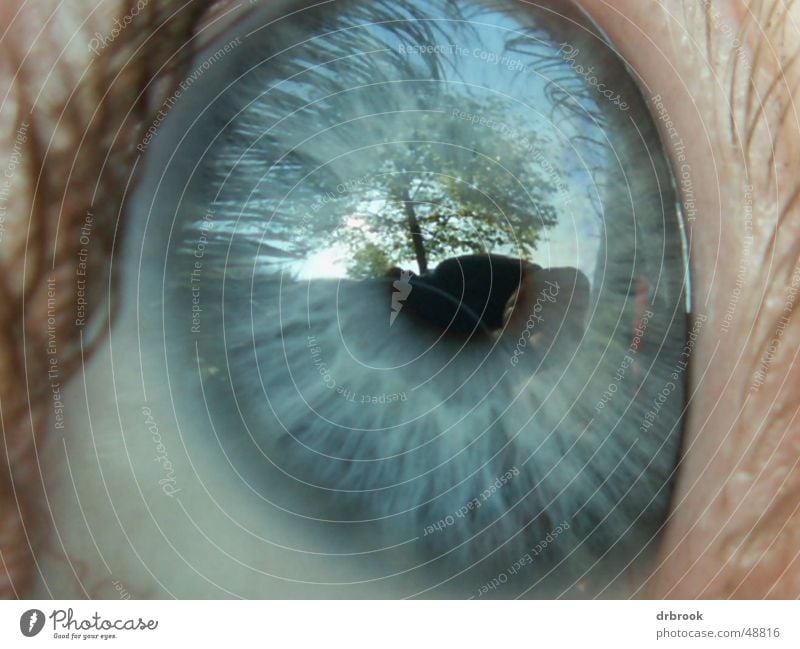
[421, 281]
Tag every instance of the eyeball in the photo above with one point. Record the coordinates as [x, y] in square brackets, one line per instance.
[423, 285]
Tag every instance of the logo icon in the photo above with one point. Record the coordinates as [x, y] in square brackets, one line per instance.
[31, 622]
[402, 289]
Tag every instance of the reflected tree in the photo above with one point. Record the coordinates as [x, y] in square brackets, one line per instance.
[445, 185]
[349, 143]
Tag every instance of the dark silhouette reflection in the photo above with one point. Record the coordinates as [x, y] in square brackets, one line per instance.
[465, 294]
[527, 305]
[546, 318]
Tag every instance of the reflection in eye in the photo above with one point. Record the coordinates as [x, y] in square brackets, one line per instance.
[423, 270]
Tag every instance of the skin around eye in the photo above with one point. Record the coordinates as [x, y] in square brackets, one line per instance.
[729, 99]
[726, 522]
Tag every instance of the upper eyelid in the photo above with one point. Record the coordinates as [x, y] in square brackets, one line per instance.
[743, 56]
[741, 45]
[758, 78]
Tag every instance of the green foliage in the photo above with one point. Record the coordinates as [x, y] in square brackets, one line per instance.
[397, 158]
[369, 260]
[460, 187]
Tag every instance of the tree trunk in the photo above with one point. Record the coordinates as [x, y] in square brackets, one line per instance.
[414, 230]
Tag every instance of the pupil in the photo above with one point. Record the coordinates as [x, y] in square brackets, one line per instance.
[465, 294]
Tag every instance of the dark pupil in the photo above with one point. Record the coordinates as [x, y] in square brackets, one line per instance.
[465, 294]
